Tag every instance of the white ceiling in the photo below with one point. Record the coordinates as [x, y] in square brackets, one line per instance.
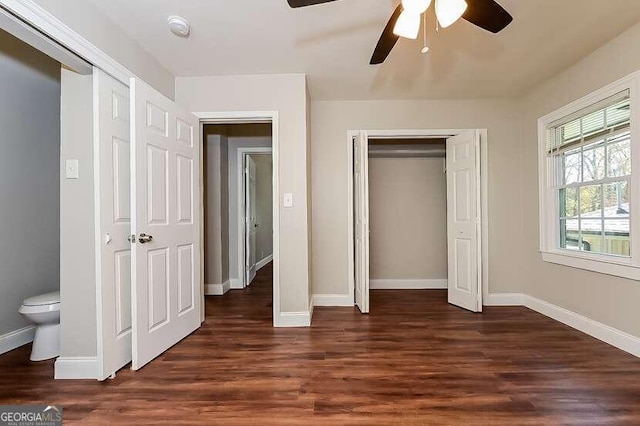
[333, 43]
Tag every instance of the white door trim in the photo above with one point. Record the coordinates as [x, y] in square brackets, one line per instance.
[236, 117]
[425, 134]
[27, 33]
[241, 153]
[49, 25]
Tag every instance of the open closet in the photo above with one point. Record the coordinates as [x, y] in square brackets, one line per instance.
[408, 214]
[417, 214]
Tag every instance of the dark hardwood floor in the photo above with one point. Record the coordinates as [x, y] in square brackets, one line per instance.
[413, 360]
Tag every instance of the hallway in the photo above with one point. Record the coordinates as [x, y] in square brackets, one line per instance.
[413, 360]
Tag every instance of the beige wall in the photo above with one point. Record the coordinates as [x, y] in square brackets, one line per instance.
[408, 218]
[331, 120]
[29, 178]
[285, 94]
[610, 300]
[88, 21]
[264, 205]
[77, 224]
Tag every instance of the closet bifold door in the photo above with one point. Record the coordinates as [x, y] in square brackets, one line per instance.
[166, 293]
[111, 116]
[463, 221]
[361, 219]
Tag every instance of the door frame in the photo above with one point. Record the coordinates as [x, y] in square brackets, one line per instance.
[422, 134]
[248, 117]
[70, 41]
[240, 228]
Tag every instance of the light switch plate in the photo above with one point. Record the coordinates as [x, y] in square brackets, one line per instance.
[71, 169]
[288, 199]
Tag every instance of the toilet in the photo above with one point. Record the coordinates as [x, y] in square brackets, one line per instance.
[44, 311]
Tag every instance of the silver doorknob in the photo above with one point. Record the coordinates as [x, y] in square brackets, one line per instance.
[144, 238]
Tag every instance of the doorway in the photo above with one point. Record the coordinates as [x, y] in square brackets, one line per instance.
[466, 206]
[30, 192]
[408, 214]
[250, 219]
[257, 212]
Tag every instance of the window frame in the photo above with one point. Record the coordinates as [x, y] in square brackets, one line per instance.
[627, 267]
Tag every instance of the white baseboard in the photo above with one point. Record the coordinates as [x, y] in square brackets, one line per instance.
[17, 338]
[217, 289]
[333, 300]
[236, 283]
[504, 299]
[593, 328]
[76, 368]
[293, 319]
[607, 334]
[264, 262]
[390, 284]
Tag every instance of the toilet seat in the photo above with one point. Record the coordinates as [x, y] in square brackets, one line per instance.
[43, 299]
[48, 302]
[39, 309]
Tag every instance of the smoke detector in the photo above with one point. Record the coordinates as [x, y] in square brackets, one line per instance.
[179, 26]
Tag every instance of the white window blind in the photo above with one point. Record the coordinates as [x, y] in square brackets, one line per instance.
[605, 119]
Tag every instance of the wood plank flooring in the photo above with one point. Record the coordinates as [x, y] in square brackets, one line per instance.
[413, 360]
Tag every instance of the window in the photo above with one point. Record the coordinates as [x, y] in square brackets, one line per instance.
[587, 183]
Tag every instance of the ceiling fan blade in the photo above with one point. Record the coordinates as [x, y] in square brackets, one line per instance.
[387, 40]
[488, 15]
[305, 3]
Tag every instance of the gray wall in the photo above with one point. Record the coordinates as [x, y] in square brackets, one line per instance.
[331, 120]
[224, 207]
[264, 205]
[216, 180]
[77, 224]
[607, 299]
[29, 177]
[408, 218]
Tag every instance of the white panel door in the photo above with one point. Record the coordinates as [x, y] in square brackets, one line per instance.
[463, 221]
[361, 219]
[166, 220]
[114, 293]
[250, 219]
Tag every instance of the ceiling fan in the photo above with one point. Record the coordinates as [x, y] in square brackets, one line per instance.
[405, 20]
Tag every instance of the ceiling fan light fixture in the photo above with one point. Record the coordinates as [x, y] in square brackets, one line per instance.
[408, 25]
[449, 11]
[416, 6]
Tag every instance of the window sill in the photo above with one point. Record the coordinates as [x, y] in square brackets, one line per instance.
[622, 269]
